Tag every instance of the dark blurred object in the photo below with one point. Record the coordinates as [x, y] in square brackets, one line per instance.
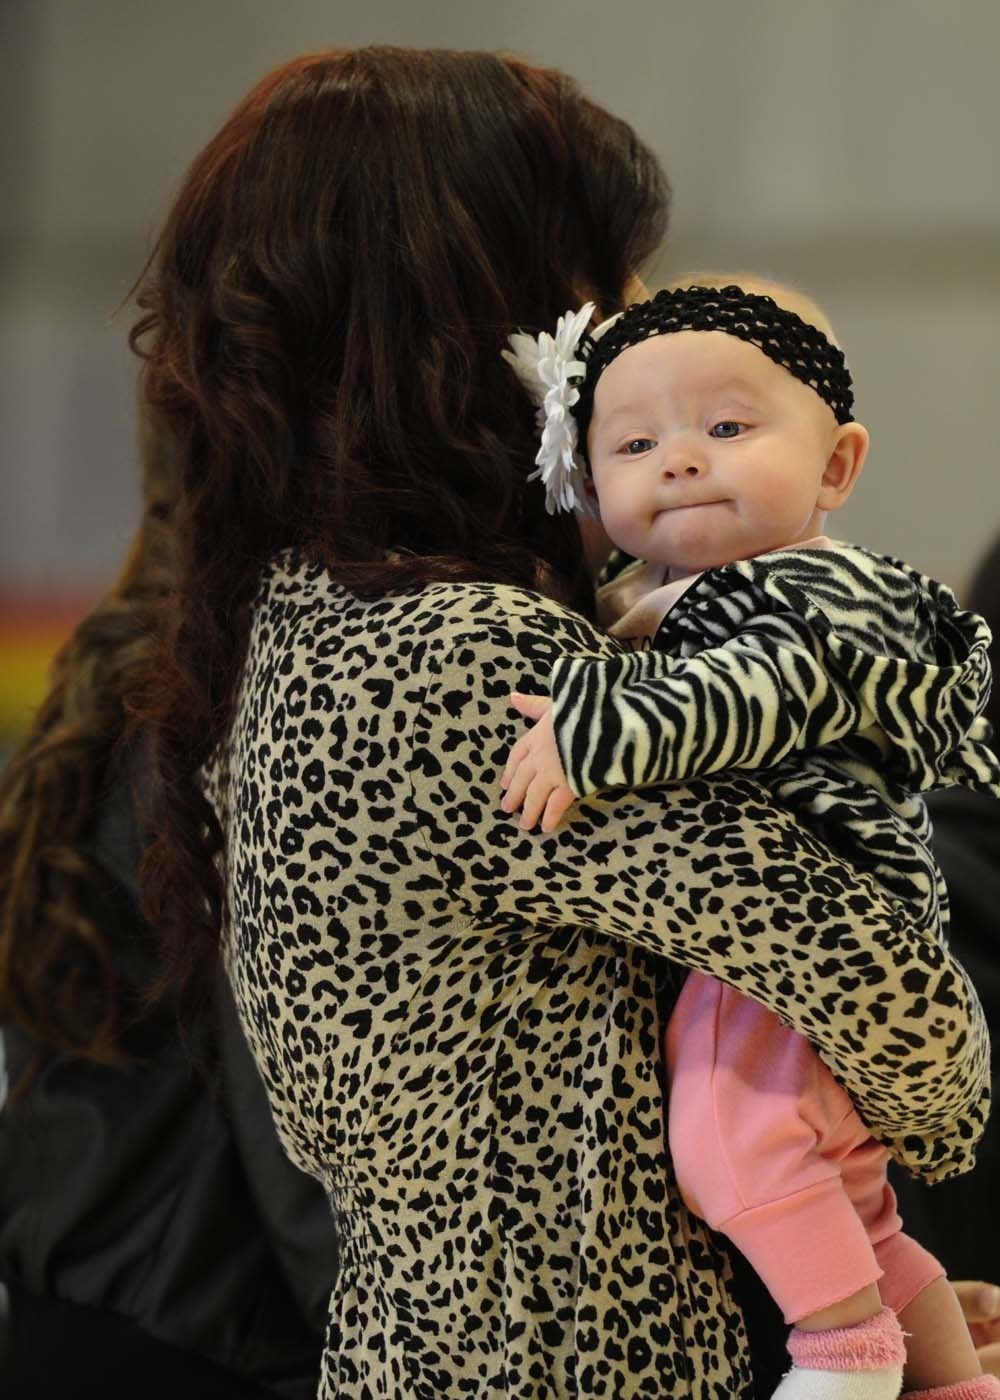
[959, 1221]
[983, 596]
[52, 1342]
[152, 1234]
[767, 1330]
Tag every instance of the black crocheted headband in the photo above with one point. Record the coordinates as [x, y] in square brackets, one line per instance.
[783, 336]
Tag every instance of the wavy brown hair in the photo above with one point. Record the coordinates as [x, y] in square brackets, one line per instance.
[322, 323]
[58, 981]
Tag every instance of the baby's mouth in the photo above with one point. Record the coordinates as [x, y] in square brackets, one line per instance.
[688, 505]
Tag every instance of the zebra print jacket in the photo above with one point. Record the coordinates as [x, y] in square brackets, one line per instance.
[847, 680]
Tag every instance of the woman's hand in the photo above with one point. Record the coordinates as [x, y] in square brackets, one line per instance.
[981, 1307]
[533, 781]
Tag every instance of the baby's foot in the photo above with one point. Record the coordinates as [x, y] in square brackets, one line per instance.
[805, 1384]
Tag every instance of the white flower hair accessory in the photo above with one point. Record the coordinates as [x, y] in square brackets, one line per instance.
[547, 366]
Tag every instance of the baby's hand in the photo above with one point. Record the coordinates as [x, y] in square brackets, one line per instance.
[533, 780]
[981, 1306]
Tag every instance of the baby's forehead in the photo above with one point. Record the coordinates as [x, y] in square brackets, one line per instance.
[700, 360]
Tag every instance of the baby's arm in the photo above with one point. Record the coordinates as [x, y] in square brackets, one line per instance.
[784, 655]
[649, 717]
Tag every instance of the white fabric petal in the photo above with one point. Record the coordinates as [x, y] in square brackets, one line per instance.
[546, 365]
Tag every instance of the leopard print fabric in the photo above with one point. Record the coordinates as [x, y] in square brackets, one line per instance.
[458, 1023]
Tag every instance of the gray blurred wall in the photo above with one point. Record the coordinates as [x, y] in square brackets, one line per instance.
[850, 145]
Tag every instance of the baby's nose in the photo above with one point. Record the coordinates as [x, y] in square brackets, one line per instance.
[686, 465]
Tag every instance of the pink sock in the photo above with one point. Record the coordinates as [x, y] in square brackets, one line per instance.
[982, 1388]
[870, 1346]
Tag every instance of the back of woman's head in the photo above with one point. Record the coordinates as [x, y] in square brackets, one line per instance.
[337, 277]
[323, 322]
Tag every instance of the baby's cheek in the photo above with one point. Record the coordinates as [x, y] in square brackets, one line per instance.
[621, 518]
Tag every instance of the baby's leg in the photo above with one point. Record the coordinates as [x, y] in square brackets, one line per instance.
[939, 1349]
[941, 1361]
[749, 1109]
[767, 1147]
[750, 1103]
[861, 1362]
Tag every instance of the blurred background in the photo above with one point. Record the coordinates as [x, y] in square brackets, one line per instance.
[845, 145]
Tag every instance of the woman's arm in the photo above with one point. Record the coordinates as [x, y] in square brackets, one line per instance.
[713, 876]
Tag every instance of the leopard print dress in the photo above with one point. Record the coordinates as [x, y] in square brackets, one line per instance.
[458, 1023]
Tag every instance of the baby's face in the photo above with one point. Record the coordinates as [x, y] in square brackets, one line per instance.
[704, 451]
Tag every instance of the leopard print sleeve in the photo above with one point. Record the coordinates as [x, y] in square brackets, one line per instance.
[713, 876]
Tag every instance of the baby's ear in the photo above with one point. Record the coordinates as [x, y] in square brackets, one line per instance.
[843, 467]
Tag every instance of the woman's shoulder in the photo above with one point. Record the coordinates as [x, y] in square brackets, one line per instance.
[300, 608]
[334, 678]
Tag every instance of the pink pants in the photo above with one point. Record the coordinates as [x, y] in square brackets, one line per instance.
[768, 1149]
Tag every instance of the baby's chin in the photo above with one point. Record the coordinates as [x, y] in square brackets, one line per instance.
[682, 561]
[682, 564]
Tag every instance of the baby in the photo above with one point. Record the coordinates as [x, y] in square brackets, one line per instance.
[712, 427]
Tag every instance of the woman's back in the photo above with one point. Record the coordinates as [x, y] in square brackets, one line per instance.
[479, 1094]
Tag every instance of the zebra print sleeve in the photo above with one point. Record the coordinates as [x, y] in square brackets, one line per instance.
[789, 652]
[650, 717]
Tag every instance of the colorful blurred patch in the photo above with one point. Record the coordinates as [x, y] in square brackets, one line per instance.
[32, 629]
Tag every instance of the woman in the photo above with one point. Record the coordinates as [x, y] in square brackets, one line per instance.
[153, 1237]
[457, 1023]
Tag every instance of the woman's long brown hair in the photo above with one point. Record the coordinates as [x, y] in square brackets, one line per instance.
[323, 317]
[58, 982]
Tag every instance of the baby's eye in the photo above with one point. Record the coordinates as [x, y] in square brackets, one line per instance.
[635, 446]
[726, 429]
